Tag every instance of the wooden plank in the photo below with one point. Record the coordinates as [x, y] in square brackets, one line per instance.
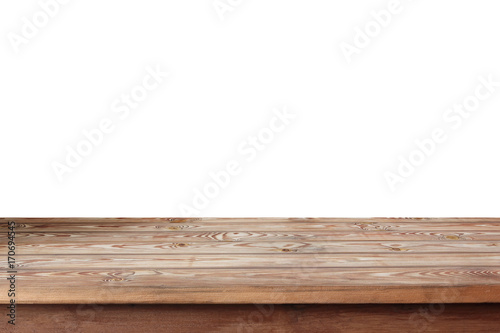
[475, 318]
[304, 276]
[307, 285]
[299, 294]
[275, 260]
[261, 236]
[200, 247]
[268, 226]
[254, 260]
[253, 220]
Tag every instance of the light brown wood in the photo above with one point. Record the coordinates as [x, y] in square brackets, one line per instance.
[205, 247]
[247, 236]
[173, 260]
[252, 260]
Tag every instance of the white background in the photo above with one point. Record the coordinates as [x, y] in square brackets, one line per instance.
[225, 77]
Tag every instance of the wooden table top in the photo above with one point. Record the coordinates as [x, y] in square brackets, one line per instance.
[254, 260]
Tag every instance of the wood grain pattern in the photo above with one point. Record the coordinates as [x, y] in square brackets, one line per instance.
[275, 260]
[262, 226]
[264, 236]
[470, 318]
[205, 247]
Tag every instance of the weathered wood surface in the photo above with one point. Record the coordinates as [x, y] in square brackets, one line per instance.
[417, 318]
[207, 260]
